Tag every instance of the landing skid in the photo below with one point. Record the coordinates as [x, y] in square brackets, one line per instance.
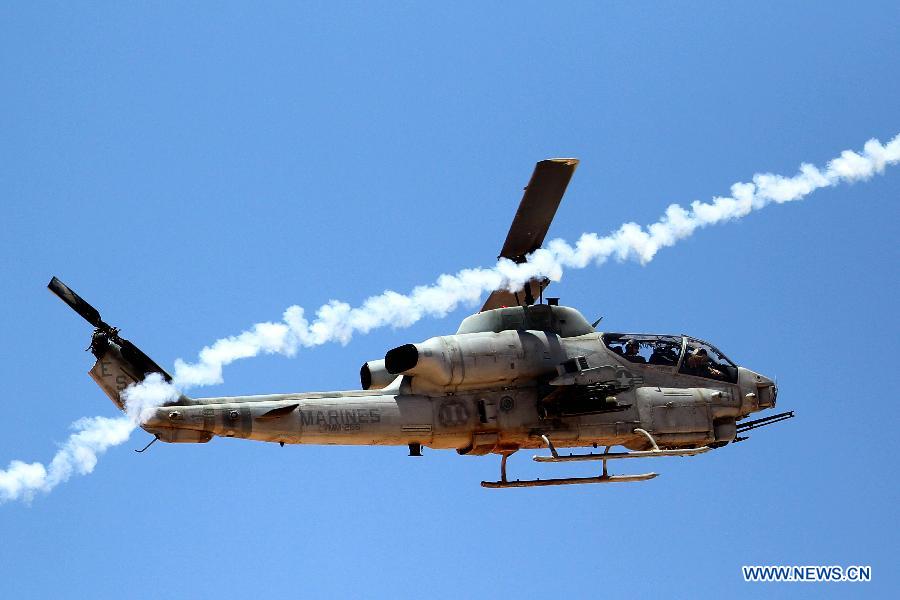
[616, 455]
[604, 456]
[567, 481]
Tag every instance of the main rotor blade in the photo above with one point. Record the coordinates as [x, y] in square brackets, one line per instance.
[529, 227]
[538, 207]
[76, 302]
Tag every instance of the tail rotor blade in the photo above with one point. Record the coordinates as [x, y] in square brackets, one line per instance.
[76, 302]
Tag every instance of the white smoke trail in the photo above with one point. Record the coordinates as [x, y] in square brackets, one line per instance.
[92, 437]
[77, 455]
[338, 321]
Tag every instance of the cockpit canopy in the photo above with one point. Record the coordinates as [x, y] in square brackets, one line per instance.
[561, 320]
[641, 348]
[691, 356]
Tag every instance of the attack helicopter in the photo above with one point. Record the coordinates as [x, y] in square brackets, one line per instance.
[522, 373]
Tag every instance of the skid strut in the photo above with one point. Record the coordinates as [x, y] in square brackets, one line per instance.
[606, 455]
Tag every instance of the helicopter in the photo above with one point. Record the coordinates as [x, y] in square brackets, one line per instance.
[522, 373]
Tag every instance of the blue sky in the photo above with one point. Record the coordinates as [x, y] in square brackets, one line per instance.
[192, 172]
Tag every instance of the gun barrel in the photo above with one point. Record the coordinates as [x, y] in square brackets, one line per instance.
[748, 425]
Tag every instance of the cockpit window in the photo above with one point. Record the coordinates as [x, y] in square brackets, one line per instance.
[664, 350]
[703, 360]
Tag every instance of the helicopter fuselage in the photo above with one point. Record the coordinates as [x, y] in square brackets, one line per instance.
[523, 385]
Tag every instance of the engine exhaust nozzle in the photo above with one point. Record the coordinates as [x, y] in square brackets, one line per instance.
[402, 358]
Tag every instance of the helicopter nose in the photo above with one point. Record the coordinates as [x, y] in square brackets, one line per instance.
[759, 391]
[768, 392]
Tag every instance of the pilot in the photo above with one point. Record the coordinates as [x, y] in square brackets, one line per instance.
[698, 364]
[631, 352]
[663, 354]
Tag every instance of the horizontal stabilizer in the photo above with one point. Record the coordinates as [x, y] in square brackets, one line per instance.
[277, 413]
